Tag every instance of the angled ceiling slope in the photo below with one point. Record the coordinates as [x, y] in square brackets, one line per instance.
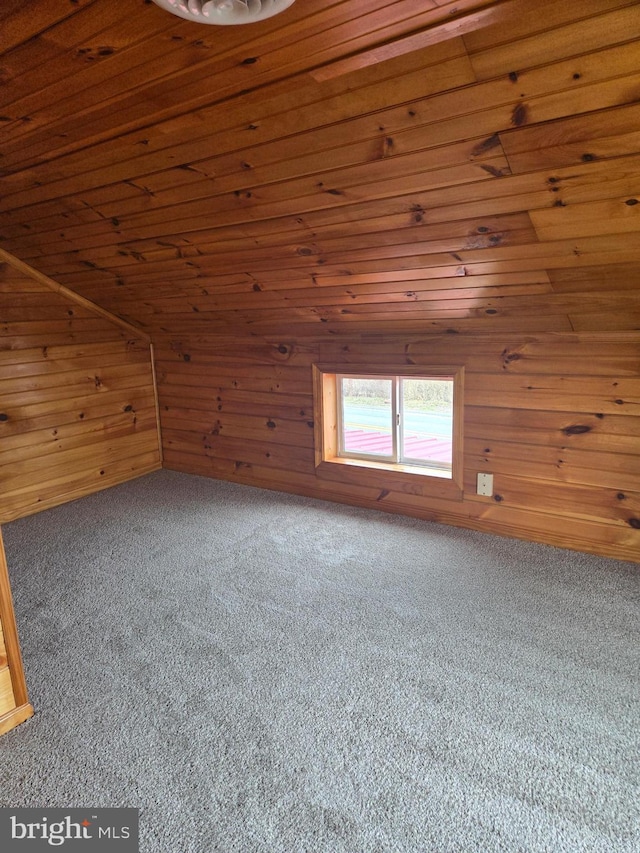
[347, 166]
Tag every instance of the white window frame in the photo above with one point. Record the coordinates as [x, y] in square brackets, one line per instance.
[397, 420]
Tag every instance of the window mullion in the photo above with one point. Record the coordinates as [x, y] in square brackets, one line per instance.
[340, 414]
[397, 418]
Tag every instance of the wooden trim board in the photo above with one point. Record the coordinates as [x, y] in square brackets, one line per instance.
[23, 708]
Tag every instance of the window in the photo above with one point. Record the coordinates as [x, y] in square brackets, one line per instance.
[405, 428]
[401, 419]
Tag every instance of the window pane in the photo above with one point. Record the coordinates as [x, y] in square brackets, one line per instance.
[427, 421]
[367, 423]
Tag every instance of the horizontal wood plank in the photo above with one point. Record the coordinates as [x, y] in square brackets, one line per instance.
[73, 406]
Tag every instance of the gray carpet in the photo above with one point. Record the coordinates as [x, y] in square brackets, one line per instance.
[259, 672]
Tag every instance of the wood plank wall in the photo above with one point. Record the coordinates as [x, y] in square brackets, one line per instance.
[77, 398]
[489, 177]
[555, 418]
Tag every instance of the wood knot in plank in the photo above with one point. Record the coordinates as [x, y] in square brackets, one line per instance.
[576, 429]
[520, 115]
[485, 145]
[492, 170]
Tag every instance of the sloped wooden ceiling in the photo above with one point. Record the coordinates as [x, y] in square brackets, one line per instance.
[348, 166]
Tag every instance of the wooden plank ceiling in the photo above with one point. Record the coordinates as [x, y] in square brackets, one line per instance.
[347, 167]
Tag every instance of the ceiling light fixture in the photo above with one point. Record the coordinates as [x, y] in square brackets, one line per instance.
[224, 12]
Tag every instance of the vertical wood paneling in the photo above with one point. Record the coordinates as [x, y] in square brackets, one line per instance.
[555, 418]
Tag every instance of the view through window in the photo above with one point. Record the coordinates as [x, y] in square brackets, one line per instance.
[398, 419]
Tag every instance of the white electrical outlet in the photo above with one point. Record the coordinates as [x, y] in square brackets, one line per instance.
[485, 485]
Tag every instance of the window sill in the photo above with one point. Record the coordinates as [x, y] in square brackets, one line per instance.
[418, 470]
[410, 479]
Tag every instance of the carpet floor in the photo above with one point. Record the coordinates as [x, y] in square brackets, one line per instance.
[263, 673]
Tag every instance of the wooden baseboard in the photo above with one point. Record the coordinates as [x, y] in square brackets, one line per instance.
[13, 718]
